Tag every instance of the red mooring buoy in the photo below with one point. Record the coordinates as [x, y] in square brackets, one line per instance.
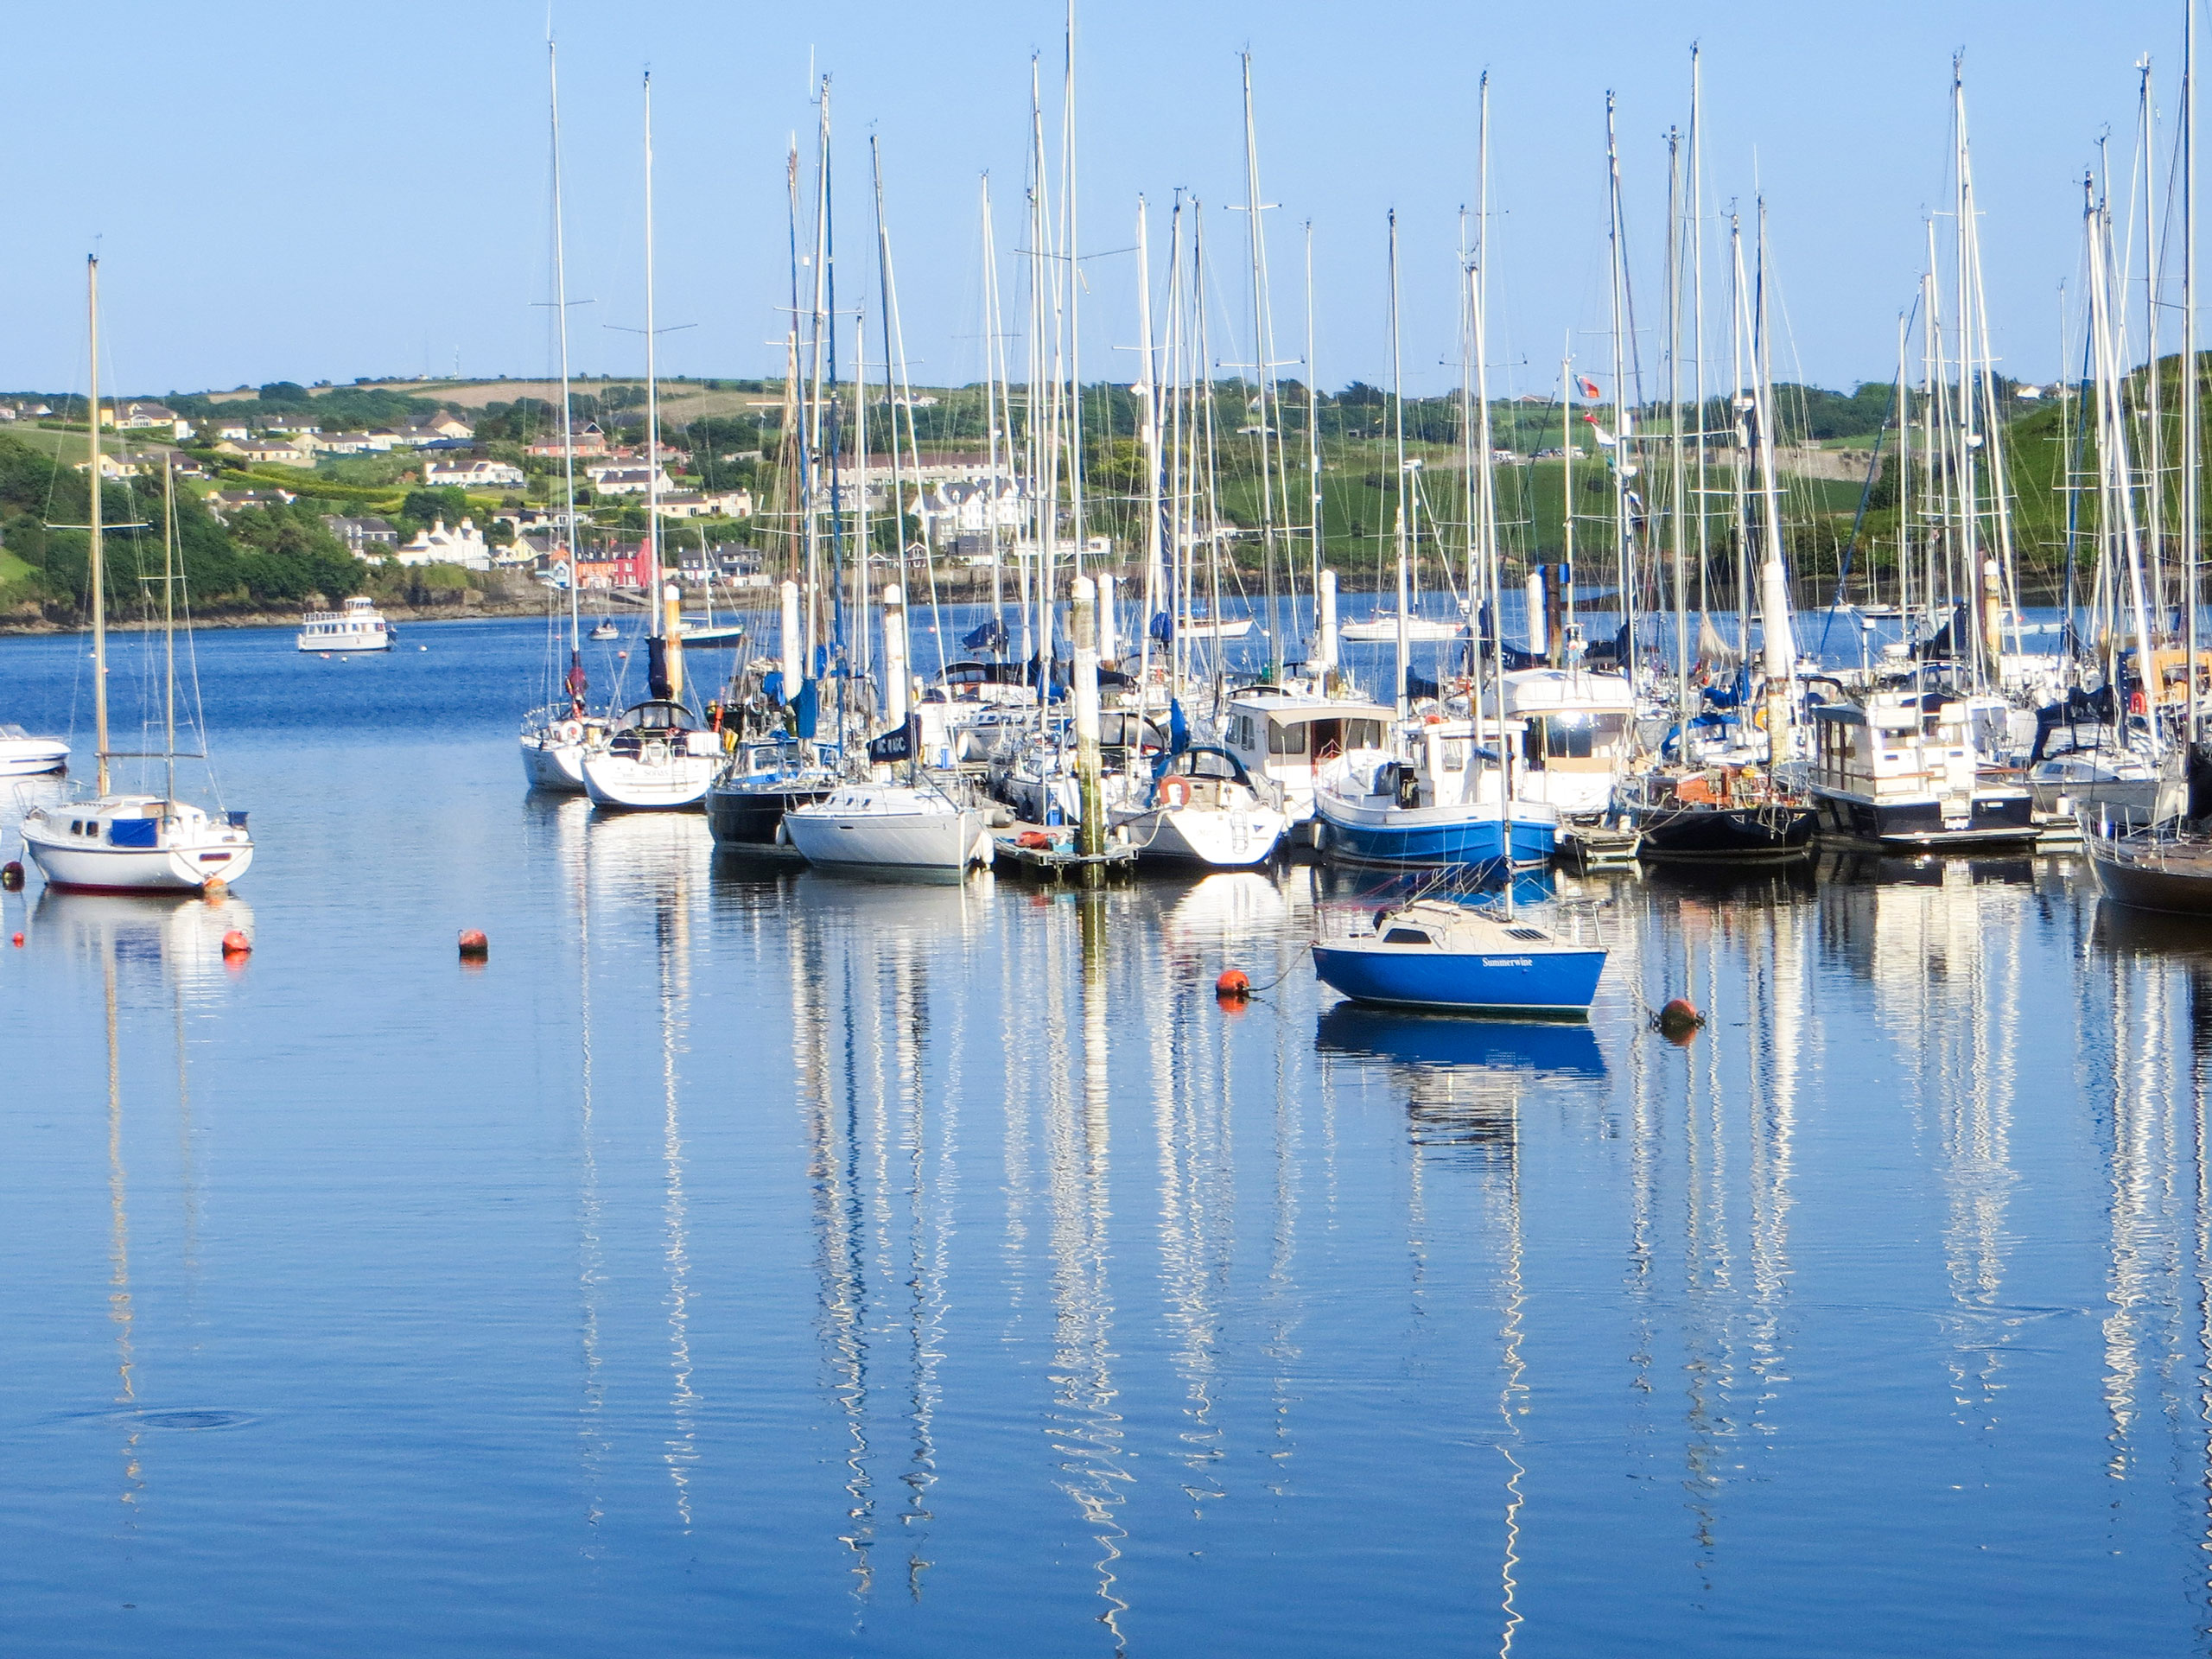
[1678, 1018]
[474, 947]
[19, 941]
[235, 943]
[1232, 986]
[11, 876]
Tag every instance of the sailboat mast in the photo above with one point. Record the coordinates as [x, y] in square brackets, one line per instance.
[169, 629]
[1262, 378]
[1674, 439]
[1147, 393]
[2190, 415]
[2153, 434]
[1073, 276]
[1398, 425]
[1697, 307]
[994, 407]
[98, 557]
[1487, 494]
[1556, 638]
[1313, 433]
[1623, 527]
[653, 392]
[567, 427]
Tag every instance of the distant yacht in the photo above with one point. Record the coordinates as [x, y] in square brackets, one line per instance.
[359, 626]
[22, 755]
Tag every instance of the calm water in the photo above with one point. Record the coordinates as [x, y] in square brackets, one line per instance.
[743, 1263]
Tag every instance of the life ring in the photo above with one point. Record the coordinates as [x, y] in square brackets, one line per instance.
[1759, 717]
[1175, 791]
[570, 732]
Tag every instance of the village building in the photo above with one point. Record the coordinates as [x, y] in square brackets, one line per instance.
[693, 503]
[365, 539]
[437, 428]
[473, 476]
[630, 480]
[145, 417]
[615, 564]
[586, 439]
[463, 544]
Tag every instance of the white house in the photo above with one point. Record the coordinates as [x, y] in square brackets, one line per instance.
[692, 503]
[145, 417]
[976, 506]
[436, 427]
[463, 545]
[267, 452]
[629, 481]
[473, 476]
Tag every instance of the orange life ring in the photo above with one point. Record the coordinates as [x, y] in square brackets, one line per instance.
[1175, 791]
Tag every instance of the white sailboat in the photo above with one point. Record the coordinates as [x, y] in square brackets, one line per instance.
[125, 842]
[890, 828]
[657, 757]
[556, 739]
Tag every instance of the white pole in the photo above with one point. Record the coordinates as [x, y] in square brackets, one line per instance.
[794, 645]
[896, 685]
[1091, 834]
[1539, 637]
[1109, 640]
[1326, 588]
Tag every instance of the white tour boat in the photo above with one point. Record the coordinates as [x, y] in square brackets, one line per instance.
[359, 626]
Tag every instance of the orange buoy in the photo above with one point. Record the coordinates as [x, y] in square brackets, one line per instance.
[11, 876]
[235, 943]
[1232, 986]
[19, 941]
[1678, 1018]
[474, 947]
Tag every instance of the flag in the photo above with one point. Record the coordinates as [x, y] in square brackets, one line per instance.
[1589, 386]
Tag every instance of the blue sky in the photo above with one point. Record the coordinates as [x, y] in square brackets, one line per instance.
[311, 192]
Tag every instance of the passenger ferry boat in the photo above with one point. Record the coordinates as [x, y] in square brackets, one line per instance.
[359, 626]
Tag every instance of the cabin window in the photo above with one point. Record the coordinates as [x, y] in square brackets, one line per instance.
[1567, 737]
[1405, 936]
[1455, 753]
[1286, 740]
[1362, 735]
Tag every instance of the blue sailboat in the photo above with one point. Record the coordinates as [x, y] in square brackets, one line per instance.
[1439, 807]
[1437, 953]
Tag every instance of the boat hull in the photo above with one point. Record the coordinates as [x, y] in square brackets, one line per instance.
[1725, 832]
[552, 765]
[630, 784]
[1552, 984]
[1421, 837]
[1229, 838]
[894, 843]
[1998, 818]
[86, 867]
[32, 757]
[2181, 888]
[751, 820]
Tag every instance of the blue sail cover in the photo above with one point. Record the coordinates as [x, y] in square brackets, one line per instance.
[134, 832]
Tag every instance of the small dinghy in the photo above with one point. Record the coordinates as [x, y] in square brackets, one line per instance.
[1438, 953]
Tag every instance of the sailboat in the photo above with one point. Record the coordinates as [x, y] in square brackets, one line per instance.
[132, 843]
[556, 739]
[657, 755]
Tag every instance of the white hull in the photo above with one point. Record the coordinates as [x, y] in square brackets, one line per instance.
[663, 781]
[928, 837]
[549, 763]
[32, 757]
[350, 643]
[1383, 630]
[190, 852]
[1234, 628]
[1226, 837]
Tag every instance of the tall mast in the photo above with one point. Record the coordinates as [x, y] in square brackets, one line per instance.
[1045, 480]
[1261, 372]
[98, 559]
[1905, 502]
[1697, 285]
[1074, 279]
[2153, 437]
[652, 391]
[577, 681]
[1148, 396]
[168, 628]
[1398, 408]
[1674, 480]
[1969, 440]
[993, 408]
[1313, 429]
[1623, 529]
[1556, 638]
[2191, 459]
[1485, 536]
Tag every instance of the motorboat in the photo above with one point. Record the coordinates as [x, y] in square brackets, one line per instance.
[762, 781]
[1384, 627]
[1578, 727]
[890, 828]
[604, 629]
[1287, 739]
[1436, 805]
[1899, 769]
[1717, 812]
[355, 626]
[136, 844]
[1441, 954]
[22, 755]
[655, 756]
[1201, 807]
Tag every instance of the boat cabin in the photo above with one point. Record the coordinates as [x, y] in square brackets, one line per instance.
[1894, 748]
[1287, 739]
[1578, 728]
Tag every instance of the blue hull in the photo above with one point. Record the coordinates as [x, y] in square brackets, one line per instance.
[1469, 841]
[1559, 982]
